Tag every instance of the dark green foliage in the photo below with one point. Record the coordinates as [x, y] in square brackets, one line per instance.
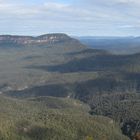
[39, 119]
[109, 83]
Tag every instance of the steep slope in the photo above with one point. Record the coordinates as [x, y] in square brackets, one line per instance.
[43, 40]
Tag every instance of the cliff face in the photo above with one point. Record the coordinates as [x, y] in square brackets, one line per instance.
[15, 39]
[40, 40]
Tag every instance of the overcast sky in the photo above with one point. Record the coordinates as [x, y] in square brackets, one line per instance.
[74, 17]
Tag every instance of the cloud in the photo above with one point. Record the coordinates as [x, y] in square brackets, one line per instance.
[126, 26]
[54, 5]
[74, 17]
[110, 2]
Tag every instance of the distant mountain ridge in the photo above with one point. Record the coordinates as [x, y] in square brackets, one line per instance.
[30, 40]
[60, 66]
[115, 45]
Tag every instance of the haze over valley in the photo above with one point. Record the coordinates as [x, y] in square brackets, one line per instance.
[59, 72]
[69, 70]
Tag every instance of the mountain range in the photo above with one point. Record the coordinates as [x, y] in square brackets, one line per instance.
[30, 40]
[61, 67]
[115, 45]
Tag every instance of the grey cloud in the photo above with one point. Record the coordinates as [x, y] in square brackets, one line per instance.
[103, 16]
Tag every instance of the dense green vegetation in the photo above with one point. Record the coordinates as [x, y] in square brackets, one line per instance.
[108, 83]
[50, 118]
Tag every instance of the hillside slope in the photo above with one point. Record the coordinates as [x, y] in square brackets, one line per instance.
[53, 119]
[108, 83]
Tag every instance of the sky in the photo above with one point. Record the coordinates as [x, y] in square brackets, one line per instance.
[73, 17]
